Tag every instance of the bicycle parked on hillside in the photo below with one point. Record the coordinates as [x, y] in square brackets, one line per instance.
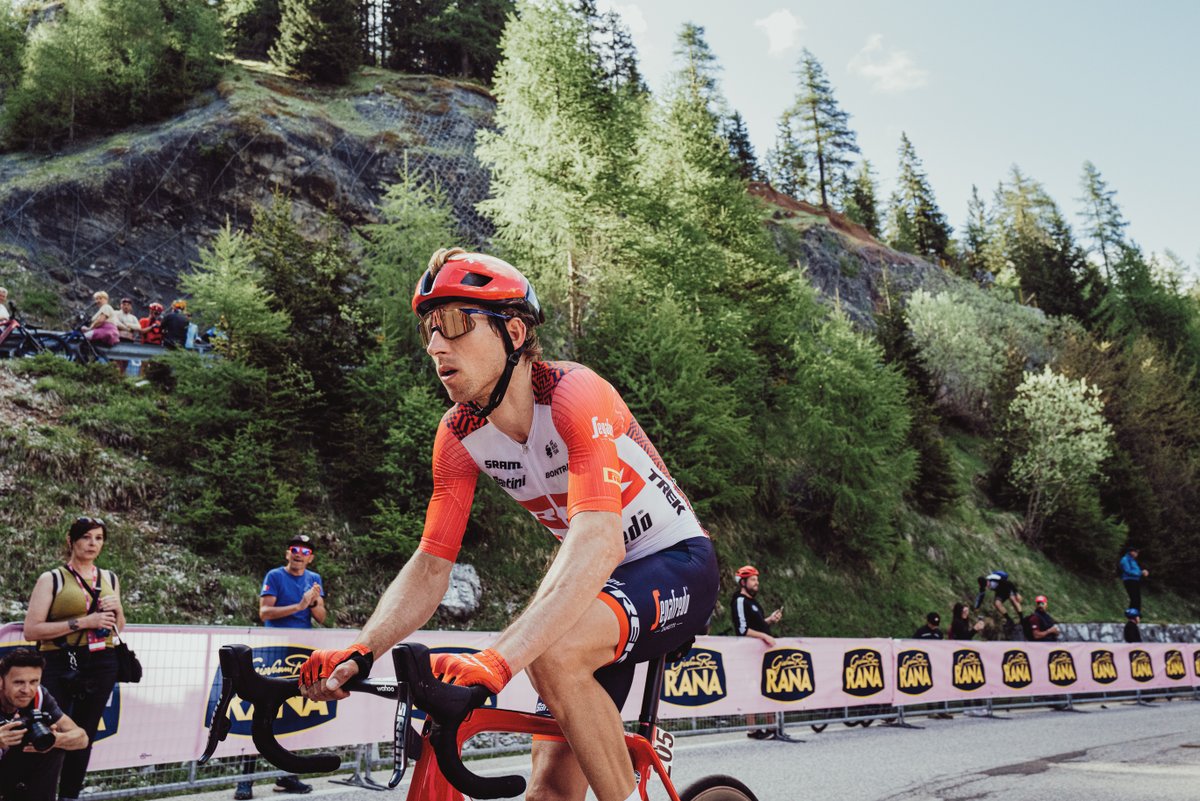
[81, 349]
[454, 716]
[20, 340]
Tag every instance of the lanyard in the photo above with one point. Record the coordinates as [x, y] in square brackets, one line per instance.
[94, 594]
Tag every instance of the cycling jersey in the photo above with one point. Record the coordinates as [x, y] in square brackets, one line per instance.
[584, 452]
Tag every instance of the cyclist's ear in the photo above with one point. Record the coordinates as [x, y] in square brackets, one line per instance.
[518, 331]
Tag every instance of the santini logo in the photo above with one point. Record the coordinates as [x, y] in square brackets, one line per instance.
[1016, 669]
[1140, 666]
[296, 714]
[1062, 668]
[1174, 665]
[787, 675]
[862, 672]
[968, 670]
[913, 673]
[695, 680]
[1104, 667]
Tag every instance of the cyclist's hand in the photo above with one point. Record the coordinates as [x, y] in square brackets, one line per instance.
[486, 667]
[324, 673]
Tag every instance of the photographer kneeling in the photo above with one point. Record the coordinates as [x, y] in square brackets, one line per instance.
[35, 732]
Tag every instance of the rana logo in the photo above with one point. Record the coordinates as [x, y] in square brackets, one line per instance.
[1140, 666]
[695, 680]
[968, 670]
[1062, 668]
[913, 672]
[296, 714]
[862, 672]
[787, 675]
[1016, 669]
[1174, 666]
[1104, 667]
[1196, 664]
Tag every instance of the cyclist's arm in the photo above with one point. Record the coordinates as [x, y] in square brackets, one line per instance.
[408, 603]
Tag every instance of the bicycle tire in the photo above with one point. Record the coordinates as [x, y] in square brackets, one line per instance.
[33, 344]
[717, 788]
[819, 727]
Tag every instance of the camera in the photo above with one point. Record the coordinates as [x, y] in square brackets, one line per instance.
[37, 729]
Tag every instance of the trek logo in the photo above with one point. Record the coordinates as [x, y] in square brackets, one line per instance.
[640, 523]
[551, 449]
[496, 464]
[1140, 666]
[1062, 668]
[1104, 667]
[914, 675]
[667, 609]
[558, 471]
[968, 671]
[862, 672]
[1016, 670]
[511, 483]
[1174, 666]
[296, 714]
[668, 490]
[787, 675]
[695, 680]
[601, 428]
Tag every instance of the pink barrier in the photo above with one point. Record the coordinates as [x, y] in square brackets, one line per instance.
[162, 719]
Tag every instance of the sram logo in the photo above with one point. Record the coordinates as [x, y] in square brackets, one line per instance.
[296, 714]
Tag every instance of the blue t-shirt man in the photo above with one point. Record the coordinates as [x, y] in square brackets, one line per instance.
[293, 596]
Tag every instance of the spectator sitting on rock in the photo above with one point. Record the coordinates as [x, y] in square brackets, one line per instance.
[129, 327]
[103, 328]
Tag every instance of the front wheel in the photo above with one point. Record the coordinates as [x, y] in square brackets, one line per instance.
[717, 788]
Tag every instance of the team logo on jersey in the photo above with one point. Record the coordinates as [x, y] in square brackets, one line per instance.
[914, 674]
[862, 672]
[968, 670]
[296, 714]
[637, 524]
[667, 609]
[1104, 667]
[669, 491]
[1062, 668]
[787, 675]
[695, 680]
[551, 449]
[1140, 666]
[1174, 666]
[601, 428]
[497, 464]
[1016, 670]
[510, 483]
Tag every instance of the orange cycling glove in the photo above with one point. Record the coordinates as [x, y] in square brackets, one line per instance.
[485, 667]
[320, 664]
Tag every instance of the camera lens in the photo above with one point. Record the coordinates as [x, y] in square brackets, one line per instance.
[37, 731]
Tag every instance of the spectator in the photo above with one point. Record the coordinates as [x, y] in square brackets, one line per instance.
[102, 330]
[175, 325]
[28, 773]
[129, 327]
[1042, 627]
[1132, 574]
[1132, 618]
[932, 630]
[151, 325]
[748, 621]
[999, 582]
[73, 612]
[960, 623]
[291, 597]
[3, 305]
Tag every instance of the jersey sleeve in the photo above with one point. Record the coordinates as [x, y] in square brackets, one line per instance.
[589, 414]
[269, 586]
[454, 476]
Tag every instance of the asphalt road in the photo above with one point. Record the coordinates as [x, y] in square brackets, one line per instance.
[1123, 752]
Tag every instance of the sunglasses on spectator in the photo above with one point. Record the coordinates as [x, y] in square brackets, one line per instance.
[300, 550]
[453, 323]
[94, 521]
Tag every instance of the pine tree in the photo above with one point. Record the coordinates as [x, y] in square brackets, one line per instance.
[859, 202]
[12, 49]
[788, 168]
[740, 149]
[1103, 222]
[617, 54]
[975, 236]
[916, 204]
[318, 39]
[251, 26]
[822, 127]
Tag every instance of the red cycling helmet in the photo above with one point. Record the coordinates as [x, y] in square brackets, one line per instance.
[156, 307]
[747, 571]
[477, 278]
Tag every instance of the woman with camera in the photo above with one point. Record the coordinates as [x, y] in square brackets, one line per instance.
[73, 612]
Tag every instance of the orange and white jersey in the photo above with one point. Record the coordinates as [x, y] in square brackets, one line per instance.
[585, 452]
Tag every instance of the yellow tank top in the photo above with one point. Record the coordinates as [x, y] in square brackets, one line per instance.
[72, 601]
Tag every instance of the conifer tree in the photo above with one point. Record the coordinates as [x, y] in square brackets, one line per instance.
[12, 48]
[740, 148]
[916, 210]
[822, 128]
[318, 39]
[1103, 222]
[859, 202]
[788, 168]
[975, 234]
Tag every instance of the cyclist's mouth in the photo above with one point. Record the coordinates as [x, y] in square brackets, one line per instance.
[445, 373]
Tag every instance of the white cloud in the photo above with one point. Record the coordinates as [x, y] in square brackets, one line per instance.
[889, 70]
[783, 30]
[630, 13]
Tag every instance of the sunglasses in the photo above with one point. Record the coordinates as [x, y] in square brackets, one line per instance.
[93, 521]
[300, 550]
[453, 323]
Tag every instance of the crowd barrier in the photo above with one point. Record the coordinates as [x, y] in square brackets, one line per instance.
[162, 720]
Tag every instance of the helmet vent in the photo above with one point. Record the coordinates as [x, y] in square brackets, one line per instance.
[475, 279]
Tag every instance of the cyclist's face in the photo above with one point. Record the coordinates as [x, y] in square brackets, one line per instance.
[468, 365]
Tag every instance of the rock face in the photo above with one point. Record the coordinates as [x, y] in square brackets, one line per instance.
[127, 214]
[1115, 632]
[462, 596]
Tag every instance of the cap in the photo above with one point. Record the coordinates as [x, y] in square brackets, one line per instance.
[301, 539]
[994, 576]
[127, 300]
[746, 571]
[1041, 600]
[1132, 613]
[934, 618]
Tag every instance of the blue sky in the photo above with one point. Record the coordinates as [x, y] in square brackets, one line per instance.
[978, 87]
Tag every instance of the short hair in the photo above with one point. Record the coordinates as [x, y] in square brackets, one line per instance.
[21, 657]
[3, 291]
[100, 294]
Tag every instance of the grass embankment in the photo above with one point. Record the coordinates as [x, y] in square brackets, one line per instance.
[75, 442]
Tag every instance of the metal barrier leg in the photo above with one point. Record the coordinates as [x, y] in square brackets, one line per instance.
[1069, 706]
[1139, 700]
[899, 722]
[362, 771]
[780, 734]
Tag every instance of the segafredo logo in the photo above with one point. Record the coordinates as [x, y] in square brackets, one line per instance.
[914, 674]
[862, 672]
[787, 675]
[296, 714]
[1104, 667]
[1062, 668]
[1140, 666]
[1016, 669]
[1174, 666]
[968, 670]
[695, 680]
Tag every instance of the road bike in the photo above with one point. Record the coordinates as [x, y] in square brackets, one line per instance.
[20, 340]
[454, 715]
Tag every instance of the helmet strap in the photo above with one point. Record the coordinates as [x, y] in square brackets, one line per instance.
[510, 364]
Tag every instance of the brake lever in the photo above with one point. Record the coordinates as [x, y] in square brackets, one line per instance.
[219, 728]
[400, 734]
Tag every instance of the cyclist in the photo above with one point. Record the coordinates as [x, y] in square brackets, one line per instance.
[635, 576]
